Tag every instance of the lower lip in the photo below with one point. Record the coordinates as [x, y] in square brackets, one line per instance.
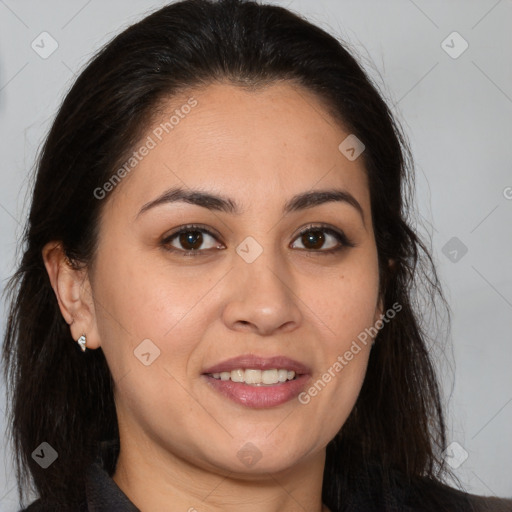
[259, 397]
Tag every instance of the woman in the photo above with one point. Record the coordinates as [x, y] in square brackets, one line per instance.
[213, 310]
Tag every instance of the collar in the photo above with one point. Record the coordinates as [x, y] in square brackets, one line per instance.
[102, 493]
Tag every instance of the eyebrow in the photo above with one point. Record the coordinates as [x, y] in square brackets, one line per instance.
[219, 203]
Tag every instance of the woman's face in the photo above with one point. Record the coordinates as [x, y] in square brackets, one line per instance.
[254, 287]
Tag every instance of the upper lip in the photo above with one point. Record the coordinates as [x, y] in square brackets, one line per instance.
[252, 361]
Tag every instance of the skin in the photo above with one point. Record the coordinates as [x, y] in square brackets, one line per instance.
[180, 438]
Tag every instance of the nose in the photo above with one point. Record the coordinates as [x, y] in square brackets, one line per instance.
[262, 298]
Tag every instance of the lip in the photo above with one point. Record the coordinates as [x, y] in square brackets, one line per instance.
[252, 361]
[259, 397]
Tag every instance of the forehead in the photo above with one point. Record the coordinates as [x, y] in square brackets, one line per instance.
[255, 145]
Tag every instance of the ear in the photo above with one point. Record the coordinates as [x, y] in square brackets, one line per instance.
[74, 293]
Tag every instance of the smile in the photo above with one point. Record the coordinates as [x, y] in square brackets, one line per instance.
[256, 377]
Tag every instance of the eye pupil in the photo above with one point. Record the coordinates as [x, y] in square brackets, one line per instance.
[313, 236]
[195, 238]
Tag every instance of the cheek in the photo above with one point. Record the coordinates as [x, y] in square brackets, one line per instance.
[139, 309]
[346, 303]
[346, 307]
[145, 299]
[150, 302]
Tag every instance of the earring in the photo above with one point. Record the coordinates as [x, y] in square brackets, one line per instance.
[82, 341]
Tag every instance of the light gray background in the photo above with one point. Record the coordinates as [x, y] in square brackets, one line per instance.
[457, 113]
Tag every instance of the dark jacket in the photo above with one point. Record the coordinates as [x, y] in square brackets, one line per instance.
[103, 495]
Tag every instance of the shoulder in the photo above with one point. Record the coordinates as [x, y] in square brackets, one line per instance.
[429, 495]
[490, 504]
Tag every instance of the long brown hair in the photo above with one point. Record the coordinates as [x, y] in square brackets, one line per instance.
[64, 397]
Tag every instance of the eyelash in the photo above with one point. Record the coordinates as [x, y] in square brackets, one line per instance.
[338, 235]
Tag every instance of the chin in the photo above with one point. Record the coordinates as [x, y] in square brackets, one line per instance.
[259, 456]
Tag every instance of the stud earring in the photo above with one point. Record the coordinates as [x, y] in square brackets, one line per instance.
[82, 341]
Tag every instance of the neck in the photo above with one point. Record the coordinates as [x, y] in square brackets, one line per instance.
[153, 479]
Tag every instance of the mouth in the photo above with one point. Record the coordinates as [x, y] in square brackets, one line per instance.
[258, 382]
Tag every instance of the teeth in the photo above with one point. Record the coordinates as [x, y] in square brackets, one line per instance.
[253, 376]
[237, 376]
[256, 377]
[269, 377]
[282, 375]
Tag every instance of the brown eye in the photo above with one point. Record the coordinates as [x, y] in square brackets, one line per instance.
[189, 241]
[314, 238]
